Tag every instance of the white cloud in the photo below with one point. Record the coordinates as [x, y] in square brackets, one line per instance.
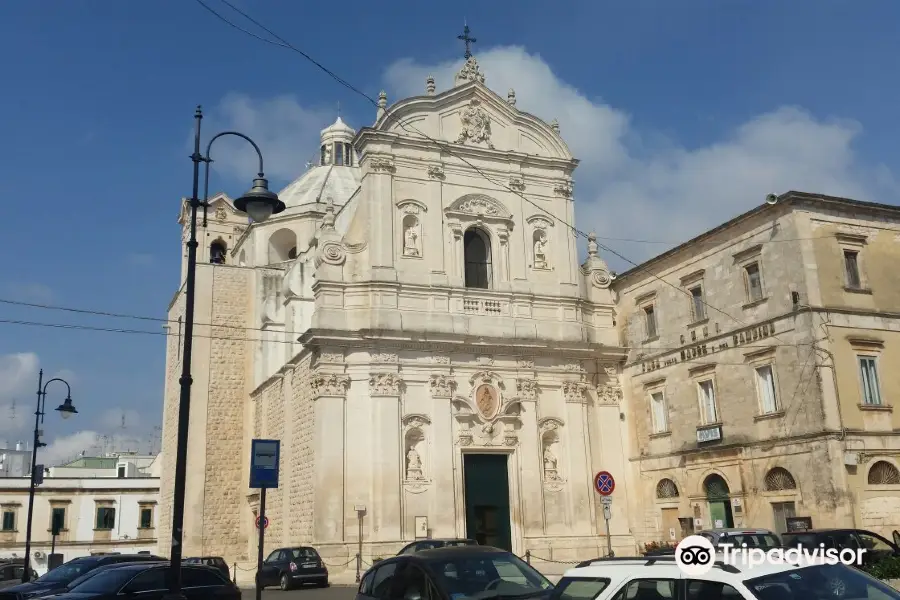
[631, 183]
[286, 132]
[18, 376]
[36, 293]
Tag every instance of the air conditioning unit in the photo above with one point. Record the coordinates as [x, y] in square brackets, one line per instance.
[38, 554]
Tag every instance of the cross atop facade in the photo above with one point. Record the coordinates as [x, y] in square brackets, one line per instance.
[468, 40]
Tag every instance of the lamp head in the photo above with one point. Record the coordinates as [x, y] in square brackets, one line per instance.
[259, 202]
[66, 409]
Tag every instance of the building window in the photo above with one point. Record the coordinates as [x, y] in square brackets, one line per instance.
[851, 269]
[698, 306]
[477, 252]
[708, 412]
[782, 511]
[754, 282]
[9, 520]
[324, 156]
[765, 384]
[868, 373]
[106, 517]
[146, 517]
[659, 412]
[121, 472]
[58, 519]
[217, 253]
[339, 154]
[650, 322]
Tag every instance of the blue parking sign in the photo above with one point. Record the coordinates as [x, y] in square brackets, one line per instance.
[265, 456]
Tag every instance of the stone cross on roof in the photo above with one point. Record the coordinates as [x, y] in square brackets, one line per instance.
[468, 40]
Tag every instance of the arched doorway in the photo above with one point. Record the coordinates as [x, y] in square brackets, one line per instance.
[718, 497]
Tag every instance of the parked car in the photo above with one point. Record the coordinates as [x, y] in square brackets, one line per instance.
[754, 538]
[290, 567]
[454, 572]
[94, 572]
[11, 571]
[437, 543]
[211, 561]
[661, 578]
[55, 581]
[149, 581]
[876, 547]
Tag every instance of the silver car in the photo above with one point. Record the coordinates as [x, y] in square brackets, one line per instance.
[754, 538]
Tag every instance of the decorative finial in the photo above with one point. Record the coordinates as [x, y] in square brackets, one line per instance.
[468, 40]
[511, 97]
[328, 219]
[593, 247]
[554, 125]
[382, 104]
[429, 85]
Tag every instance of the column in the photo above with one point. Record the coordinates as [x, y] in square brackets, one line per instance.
[330, 442]
[381, 213]
[384, 389]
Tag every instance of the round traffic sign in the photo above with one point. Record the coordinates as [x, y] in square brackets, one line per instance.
[604, 483]
[265, 521]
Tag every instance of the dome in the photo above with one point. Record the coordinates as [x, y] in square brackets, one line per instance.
[320, 183]
[338, 127]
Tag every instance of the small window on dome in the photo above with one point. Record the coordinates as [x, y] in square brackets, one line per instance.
[324, 157]
[292, 253]
[348, 159]
[339, 154]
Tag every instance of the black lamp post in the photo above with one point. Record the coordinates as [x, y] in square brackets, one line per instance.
[259, 203]
[66, 410]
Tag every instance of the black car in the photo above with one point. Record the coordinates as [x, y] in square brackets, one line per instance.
[289, 567]
[210, 561]
[420, 545]
[875, 547]
[453, 572]
[11, 571]
[93, 573]
[150, 581]
[55, 581]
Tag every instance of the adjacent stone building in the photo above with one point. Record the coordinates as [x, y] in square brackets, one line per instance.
[417, 330]
[758, 380]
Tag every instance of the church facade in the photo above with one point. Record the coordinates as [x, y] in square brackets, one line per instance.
[418, 332]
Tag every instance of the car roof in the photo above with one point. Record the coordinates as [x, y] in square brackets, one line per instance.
[665, 566]
[453, 551]
[737, 530]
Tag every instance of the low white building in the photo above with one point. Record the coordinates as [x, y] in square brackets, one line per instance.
[103, 505]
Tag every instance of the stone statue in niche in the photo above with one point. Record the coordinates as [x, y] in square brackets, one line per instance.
[327, 155]
[413, 465]
[540, 251]
[411, 239]
[550, 471]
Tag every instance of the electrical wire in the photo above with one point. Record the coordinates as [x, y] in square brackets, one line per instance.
[444, 146]
[295, 334]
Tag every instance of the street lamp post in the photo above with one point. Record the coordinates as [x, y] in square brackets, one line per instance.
[66, 410]
[259, 203]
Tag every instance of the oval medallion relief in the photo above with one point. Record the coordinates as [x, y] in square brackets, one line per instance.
[487, 400]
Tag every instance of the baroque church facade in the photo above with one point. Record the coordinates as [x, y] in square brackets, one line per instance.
[418, 332]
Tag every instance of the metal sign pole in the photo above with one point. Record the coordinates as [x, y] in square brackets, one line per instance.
[359, 550]
[262, 535]
[606, 516]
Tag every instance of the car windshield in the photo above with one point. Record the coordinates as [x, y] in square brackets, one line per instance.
[107, 581]
[461, 543]
[820, 582]
[304, 554]
[488, 576]
[753, 540]
[68, 572]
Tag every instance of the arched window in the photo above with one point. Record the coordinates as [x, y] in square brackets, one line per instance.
[281, 243]
[323, 159]
[477, 251]
[715, 487]
[780, 479]
[883, 473]
[339, 154]
[217, 252]
[666, 489]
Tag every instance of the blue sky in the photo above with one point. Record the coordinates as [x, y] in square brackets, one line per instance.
[687, 112]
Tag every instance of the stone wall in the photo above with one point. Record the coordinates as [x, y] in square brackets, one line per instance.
[223, 485]
[303, 461]
[174, 342]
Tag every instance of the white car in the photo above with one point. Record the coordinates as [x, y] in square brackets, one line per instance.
[660, 578]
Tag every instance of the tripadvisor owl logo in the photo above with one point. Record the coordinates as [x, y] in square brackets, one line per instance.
[695, 555]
